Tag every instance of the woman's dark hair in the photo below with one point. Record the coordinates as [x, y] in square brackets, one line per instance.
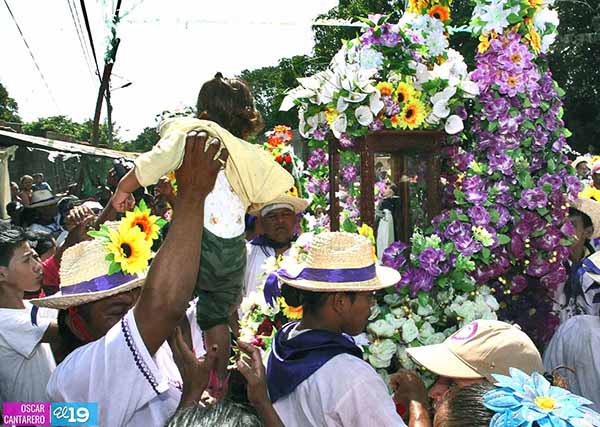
[464, 406]
[222, 414]
[10, 239]
[587, 221]
[229, 102]
[310, 301]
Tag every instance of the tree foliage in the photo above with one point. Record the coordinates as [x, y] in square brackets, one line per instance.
[9, 110]
[66, 126]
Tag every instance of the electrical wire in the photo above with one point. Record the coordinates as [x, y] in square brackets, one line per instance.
[79, 32]
[89, 33]
[32, 56]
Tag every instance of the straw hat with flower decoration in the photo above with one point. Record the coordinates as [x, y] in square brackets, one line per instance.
[113, 262]
[592, 209]
[336, 262]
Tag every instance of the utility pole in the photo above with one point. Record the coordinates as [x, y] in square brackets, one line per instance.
[104, 90]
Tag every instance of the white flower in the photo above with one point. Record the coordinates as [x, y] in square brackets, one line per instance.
[409, 331]
[342, 105]
[381, 328]
[495, 16]
[470, 88]
[545, 16]
[375, 312]
[364, 116]
[392, 300]
[339, 125]
[547, 41]
[404, 358]
[454, 124]
[269, 265]
[370, 58]
[375, 102]
[381, 353]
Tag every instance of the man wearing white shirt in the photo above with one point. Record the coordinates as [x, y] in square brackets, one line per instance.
[25, 361]
[279, 223]
[121, 358]
[316, 374]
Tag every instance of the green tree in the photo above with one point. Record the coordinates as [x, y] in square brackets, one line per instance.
[66, 126]
[8, 107]
[143, 142]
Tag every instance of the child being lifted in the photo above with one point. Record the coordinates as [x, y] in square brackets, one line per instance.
[250, 177]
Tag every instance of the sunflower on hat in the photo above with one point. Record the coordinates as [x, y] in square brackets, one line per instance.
[142, 218]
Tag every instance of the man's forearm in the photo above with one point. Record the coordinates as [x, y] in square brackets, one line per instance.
[171, 279]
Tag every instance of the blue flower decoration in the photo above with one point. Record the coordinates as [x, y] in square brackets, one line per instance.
[526, 401]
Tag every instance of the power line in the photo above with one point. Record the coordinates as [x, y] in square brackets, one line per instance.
[89, 32]
[32, 56]
[79, 32]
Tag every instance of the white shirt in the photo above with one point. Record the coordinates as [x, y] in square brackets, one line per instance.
[575, 344]
[255, 274]
[345, 392]
[25, 363]
[224, 211]
[132, 387]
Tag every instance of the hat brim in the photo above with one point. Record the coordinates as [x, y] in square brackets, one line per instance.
[592, 209]
[49, 202]
[385, 277]
[440, 360]
[299, 205]
[60, 301]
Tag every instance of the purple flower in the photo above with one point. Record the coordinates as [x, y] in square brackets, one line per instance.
[420, 280]
[518, 284]
[349, 173]
[317, 158]
[535, 198]
[501, 162]
[392, 255]
[504, 216]
[574, 186]
[479, 215]
[517, 247]
[466, 245]
[376, 125]
[320, 133]
[346, 141]
[538, 267]
[549, 240]
[461, 112]
[430, 259]
[554, 278]
[568, 229]
[455, 229]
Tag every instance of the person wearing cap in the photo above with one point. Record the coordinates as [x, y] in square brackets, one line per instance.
[474, 353]
[279, 222]
[316, 375]
[592, 190]
[117, 350]
[44, 206]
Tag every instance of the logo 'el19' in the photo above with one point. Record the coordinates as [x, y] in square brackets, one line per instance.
[74, 414]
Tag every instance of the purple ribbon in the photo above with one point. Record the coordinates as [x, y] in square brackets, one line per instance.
[338, 275]
[98, 284]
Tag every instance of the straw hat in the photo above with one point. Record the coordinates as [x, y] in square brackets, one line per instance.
[84, 278]
[339, 262]
[41, 198]
[592, 209]
[284, 201]
[580, 159]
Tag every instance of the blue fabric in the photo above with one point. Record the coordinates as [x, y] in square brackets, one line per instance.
[293, 360]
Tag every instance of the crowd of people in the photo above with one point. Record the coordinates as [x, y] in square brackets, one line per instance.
[130, 299]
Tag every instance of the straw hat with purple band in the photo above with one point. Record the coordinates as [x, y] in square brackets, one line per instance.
[41, 198]
[84, 277]
[336, 262]
[284, 201]
[480, 349]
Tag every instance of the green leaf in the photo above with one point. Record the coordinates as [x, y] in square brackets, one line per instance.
[503, 239]
[494, 215]
[463, 217]
[492, 126]
[142, 206]
[115, 267]
[423, 298]
[110, 257]
[542, 211]
[97, 234]
[485, 255]
[567, 133]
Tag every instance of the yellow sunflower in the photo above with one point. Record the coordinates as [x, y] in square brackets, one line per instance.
[293, 191]
[385, 88]
[404, 92]
[130, 249]
[141, 219]
[367, 232]
[440, 12]
[413, 115]
[292, 313]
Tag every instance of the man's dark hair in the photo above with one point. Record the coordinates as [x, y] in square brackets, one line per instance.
[10, 239]
[311, 302]
[587, 221]
[222, 414]
[464, 406]
[229, 102]
[43, 241]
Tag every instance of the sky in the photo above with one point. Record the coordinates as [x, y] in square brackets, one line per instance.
[168, 49]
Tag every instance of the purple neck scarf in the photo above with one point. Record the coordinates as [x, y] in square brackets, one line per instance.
[293, 360]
